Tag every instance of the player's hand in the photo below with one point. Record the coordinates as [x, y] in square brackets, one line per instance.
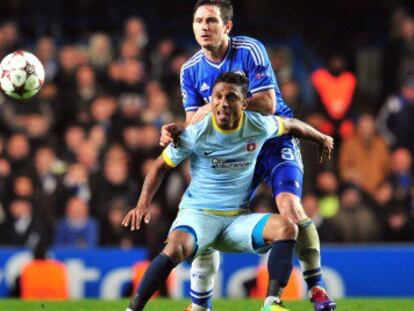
[201, 113]
[326, 148]
[134, 216]
[170, 133]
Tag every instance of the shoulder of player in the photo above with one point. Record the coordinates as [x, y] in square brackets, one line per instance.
[256, 120]
[254, 47]
[192, 61]
[197, 129]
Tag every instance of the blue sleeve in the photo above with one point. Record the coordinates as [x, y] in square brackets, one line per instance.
[192, 100]
[175, 155]
[260, 71]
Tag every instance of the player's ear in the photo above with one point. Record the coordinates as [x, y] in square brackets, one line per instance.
[229, 26]
[244, 104]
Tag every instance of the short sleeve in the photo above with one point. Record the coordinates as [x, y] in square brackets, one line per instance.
[192, 100]
[274, 126]
[175, 155]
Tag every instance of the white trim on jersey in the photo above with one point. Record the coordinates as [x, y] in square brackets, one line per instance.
[255, 50]
[191, 108]
[266, 87]
[222, 62]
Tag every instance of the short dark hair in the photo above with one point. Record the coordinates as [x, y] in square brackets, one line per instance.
[225, 6]
[234, 78]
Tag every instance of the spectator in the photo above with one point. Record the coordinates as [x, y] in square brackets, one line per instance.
[45, 51]
[395, 117]
[22, 228]
[77, 228]
[401, 173]
[112, 234]
[327, 189]
[335, 86]
[355, 222]
[399, 226]
[364, 158]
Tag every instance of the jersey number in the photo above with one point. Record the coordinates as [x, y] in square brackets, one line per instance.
[287, 154]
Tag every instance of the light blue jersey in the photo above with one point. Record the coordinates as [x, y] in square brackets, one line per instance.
[222, 162]
[245, 55]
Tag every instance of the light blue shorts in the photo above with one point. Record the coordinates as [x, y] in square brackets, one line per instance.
[231, 234]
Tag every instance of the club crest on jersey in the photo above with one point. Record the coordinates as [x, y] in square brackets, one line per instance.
[251, 145]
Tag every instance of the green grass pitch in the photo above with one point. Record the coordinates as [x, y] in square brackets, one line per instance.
[219, 305]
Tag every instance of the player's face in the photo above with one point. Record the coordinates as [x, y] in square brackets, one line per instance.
[227, 104]
[209, 28]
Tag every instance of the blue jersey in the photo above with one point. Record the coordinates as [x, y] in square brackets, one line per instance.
[246, 55]
[222, 162]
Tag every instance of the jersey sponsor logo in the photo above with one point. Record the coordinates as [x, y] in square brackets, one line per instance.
[229, 164]
[251, 145]
[204, 87]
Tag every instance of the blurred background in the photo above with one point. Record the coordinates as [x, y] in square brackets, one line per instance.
[72, 159]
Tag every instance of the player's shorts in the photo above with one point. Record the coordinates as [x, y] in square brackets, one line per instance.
[234, 234]
[280, 166]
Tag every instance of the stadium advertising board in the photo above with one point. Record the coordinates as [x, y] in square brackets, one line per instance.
[348, 272]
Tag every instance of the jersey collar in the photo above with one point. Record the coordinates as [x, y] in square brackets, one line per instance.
[228, 132]
[218, 66]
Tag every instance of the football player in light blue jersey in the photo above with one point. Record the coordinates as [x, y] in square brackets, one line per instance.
[279, 163]
[213, 212]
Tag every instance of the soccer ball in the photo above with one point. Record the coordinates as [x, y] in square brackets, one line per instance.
[21, 74]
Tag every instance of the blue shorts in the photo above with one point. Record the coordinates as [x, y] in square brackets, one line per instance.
[280, 166]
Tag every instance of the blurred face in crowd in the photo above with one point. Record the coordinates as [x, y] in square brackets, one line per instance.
[408, 92]
[20, 209]
[129, 50]
[18, 147]
[74, 137]
[132, 136]
[68, 58]
[384, 193]
[45, 49]
[77, 209]
[23, 186]
[85, 76]
[209, 28]
[401, 161]
[310, 205]
[44, 157]
[116, 172]
[116, 153]
[134, 28]
[407, 28]
[103, 108]
[327, 182]
[366, 127]
[350, 198]
[87, 154]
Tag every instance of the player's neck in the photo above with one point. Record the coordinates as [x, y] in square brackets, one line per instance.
[217, 54]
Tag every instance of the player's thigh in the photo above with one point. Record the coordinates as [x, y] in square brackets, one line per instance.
[244, 234]
[203, 227]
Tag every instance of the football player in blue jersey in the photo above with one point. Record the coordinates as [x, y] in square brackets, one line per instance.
[279, 163]
[213, 212]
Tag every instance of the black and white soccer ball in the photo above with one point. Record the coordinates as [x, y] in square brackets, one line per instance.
[22, 75]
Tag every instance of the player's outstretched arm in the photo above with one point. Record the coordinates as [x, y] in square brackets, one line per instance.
[303, 130]
[262, 102]
[151, 184]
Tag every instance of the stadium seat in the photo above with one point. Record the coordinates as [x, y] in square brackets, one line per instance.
[44, 279]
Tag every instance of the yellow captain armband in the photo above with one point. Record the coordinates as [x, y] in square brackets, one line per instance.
[281, 129]
[167, 159]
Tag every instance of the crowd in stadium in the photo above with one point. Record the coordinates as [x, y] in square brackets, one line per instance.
[72, 159]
